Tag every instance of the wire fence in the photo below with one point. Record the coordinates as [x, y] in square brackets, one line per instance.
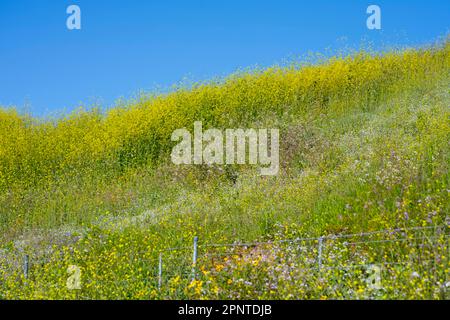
[375, 259]
[376, 262]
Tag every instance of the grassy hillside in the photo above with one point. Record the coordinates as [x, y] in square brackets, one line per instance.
[364, 147]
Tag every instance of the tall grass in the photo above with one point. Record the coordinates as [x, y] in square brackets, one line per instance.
[364, 146]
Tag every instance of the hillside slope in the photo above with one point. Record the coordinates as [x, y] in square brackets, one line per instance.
[364, 147]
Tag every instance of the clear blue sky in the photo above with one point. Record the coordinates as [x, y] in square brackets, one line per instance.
[129, 45]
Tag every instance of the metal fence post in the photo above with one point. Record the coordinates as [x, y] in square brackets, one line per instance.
[319, 254]
[194, 258]
[160, 271]
[26, 266]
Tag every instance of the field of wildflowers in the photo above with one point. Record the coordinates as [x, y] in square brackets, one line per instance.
[364, 147]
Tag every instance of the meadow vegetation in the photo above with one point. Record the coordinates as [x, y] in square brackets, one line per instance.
[364, 146]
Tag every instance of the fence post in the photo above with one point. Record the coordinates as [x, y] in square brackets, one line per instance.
[160, 271]
[194, 258]
[26, 266]
[319, 254]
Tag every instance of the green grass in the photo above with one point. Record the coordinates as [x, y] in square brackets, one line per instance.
[364, 147]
